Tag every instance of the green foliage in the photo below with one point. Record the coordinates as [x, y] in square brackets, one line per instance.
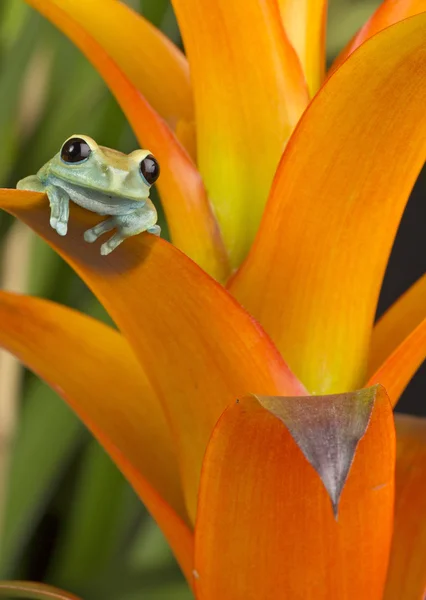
[345, 17]
[36, 470]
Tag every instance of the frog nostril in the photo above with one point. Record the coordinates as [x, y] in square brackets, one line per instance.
[75, 150]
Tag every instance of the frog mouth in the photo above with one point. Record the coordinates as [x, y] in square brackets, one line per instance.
[98, 193]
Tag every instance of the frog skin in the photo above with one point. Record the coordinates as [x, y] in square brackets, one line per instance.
[103, 181]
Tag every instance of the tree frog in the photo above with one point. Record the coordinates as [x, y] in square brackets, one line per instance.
[103, 181]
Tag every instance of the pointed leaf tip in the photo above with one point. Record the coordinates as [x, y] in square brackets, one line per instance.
[327, 430]
[258, 491]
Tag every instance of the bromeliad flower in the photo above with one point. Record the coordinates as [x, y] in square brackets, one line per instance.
[246, 396]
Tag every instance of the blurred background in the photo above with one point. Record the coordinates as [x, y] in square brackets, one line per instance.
[66, 514]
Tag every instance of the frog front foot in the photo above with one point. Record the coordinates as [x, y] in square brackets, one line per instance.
[59, 209]
[58, 199]
[126, 226]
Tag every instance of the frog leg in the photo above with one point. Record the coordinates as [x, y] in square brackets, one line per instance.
[91, 235]
[142, 219]
[31, 183]
[59, 208]
[58, 200]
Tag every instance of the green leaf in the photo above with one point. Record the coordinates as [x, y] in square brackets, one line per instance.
[13, 66]
[46, 269]
[172, 591]
[344, 20]
[47, 438]
[96, 521]
[155, 10]
[150, 549]
[12, 17]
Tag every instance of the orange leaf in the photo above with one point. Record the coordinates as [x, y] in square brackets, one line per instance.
[314, 273]
[305, 24]
[398, 345]
[397, 370]
[388, 13]
[249, 92]
[152, 63]
[198, 347]
[192, 224]
[92, 367]
[397, 323]
[265, 520]
[36, 591]
[407, 572]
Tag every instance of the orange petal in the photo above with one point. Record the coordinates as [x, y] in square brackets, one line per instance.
[30, 589]
[407, 572]
[152, 63]
[388, 13]
[398, 369]
[398, 345]
[185, 133]
[192, 224]
[305, 24]
[265, 520]
[198, 347]
[315, 270]
[397, 323]
[93, 368]
[249, 93]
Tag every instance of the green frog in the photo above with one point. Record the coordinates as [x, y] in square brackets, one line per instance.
[103, 181]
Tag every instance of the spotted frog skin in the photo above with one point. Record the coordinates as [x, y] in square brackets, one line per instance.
[103, 181]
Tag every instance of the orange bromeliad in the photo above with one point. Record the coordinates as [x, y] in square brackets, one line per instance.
[248, 396]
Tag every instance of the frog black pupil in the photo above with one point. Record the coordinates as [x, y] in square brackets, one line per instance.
[150, 169]
[75, 150]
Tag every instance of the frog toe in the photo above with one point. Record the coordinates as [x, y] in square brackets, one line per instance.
[105, 249]
[154, 230]
[62, 228]
[112, 243]
[90, 236]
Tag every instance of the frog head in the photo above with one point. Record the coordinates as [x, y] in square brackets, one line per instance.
[81, 162]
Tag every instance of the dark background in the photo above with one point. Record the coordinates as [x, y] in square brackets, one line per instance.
[407, 263]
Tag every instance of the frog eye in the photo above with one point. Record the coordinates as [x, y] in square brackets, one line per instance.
[75, 150]
[150, 169]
